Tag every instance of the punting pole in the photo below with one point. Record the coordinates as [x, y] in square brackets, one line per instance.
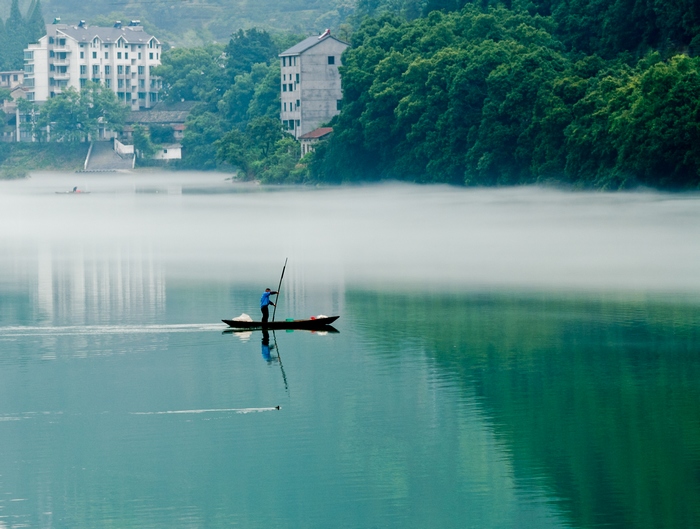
[278, 288]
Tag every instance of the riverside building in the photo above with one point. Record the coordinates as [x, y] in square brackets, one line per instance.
[119, 57]
[310, 89]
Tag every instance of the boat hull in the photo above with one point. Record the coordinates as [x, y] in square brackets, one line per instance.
[318, 323]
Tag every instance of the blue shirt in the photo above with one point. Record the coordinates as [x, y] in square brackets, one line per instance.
[265, 299]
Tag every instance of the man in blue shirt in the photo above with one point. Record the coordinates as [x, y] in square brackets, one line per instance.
[264, 302]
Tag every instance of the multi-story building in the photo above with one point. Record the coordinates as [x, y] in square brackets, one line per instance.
[11, 79]
[121, 58]
[311, 93]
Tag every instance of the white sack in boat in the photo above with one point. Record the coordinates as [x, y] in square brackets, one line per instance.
[243, 317]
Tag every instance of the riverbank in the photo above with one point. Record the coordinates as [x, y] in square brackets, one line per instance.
[17, 159]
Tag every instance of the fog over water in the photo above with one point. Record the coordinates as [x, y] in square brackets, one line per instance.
[388, 234]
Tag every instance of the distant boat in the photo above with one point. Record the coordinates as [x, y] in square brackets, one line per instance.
[310, 324]
[74, 191]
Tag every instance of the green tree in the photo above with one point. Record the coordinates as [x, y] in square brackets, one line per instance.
[247, 48]
[74, 116]
[193, 74]
[142, 142]
[16, 38]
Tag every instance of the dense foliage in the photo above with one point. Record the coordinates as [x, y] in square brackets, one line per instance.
[236, 122]
[484, 97]
[17, 32]
[190, 23]
[75, 116]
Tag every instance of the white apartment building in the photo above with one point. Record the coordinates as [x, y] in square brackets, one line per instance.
[310, 88]
[120, 58]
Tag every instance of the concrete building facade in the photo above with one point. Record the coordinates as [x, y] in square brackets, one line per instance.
[311, 92]
[11, 79]
[120, 58]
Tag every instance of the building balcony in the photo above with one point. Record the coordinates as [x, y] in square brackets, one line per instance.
[61, 62]
[61, 75]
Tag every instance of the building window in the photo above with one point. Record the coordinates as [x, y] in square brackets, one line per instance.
[120, 83]
[298, 103]
[128, 70]
[82, 83]
[126, 55]
[106, 55]
[139, 54]
[297, 123]
[28, 81]
[120, 69]
[28, 68]
[28, 55]
[338, 104]
[142, 95]
[284, 87]
[30, 96]
[291, 87]
[150, 56]
[108, 83]
[297, 78]
[94, 55]
[119, 55]
[141, 70]
[95, 70]
[83, 69]
[82, 54]
[50, 40]
[284, 107]
[107, 69]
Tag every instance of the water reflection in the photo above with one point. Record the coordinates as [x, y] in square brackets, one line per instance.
[595, 399]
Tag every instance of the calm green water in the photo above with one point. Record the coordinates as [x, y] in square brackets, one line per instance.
[550, 401]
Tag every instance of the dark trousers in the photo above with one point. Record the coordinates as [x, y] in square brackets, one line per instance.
[265, 313]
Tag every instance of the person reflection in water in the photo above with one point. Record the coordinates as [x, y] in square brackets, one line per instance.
[264, 302]
[266, 347]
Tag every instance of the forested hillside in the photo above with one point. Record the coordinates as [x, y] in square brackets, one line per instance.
[494, 96]
[199, 22]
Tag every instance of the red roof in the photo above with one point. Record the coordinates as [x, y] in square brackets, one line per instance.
[315, 134]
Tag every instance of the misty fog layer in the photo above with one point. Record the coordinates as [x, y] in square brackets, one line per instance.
[402, 235]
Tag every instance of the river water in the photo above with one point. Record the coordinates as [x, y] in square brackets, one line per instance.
[505, 358]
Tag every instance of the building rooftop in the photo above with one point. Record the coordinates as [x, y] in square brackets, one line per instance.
[84, 33]
[309, 43]
[316, 133]
[163, 113]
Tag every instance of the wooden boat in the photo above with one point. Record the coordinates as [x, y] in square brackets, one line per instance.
[311, 324]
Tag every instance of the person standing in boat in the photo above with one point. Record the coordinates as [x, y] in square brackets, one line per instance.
[264, 302]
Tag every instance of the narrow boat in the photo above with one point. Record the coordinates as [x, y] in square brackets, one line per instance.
[314, 323]
[74, 191]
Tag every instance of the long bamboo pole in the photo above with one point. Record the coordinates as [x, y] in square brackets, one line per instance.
[279, 287]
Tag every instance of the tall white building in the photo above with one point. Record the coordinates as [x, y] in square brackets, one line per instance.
[120, 57]
[311, 93]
